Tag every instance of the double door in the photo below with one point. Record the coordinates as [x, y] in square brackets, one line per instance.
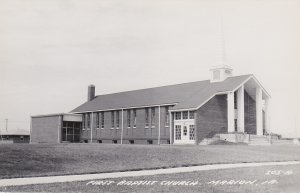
[184, 133]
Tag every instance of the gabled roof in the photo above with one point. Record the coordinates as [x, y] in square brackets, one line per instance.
[183, 96]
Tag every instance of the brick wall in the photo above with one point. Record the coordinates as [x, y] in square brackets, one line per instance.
[45, 129]
[212, 118]
[250, 114]
[140, 134]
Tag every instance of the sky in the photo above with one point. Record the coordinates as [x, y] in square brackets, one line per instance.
[51, 50]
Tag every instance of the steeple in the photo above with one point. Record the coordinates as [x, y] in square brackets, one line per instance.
[221, 71]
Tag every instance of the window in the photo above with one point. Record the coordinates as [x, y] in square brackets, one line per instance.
[178, 132]
[97, 121]
[83, 121]
[177, 115]
[112, 119]
[184, 130]
[185, 115]
[149, 141]
[192, 114]
[102, 120]
[134, 118]
[70, 131]
[235, 100]
[153, 117]
[118, 119]
[128, 118]
[131, 141]
[167, 119]
[235, 125]
[147, 117]
[192, 132]
[88, 120]
[228, 72]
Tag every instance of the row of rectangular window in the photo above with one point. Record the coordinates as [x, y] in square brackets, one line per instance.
[185, 115]
[115, 118]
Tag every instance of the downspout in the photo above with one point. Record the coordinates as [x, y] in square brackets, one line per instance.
[30, 132]
[122, 128]
[158, 125]
[170, 117]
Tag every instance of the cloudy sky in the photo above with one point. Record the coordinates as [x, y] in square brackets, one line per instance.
[51, 50]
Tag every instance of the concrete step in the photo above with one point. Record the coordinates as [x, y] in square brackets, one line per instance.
[283, 142]
[259, 140]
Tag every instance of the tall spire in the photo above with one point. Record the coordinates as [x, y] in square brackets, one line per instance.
[223, 48]
[222, 70]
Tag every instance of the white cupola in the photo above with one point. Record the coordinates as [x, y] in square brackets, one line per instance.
[220, 73]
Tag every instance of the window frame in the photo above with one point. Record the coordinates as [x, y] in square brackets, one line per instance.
[147, 117]
[153, 114]
[112, 117]
[102, 120]
[134, 118]
[117, 119]
[178, 113]
[185, 115]
[97, 120]
[167, 117]
[129, 118]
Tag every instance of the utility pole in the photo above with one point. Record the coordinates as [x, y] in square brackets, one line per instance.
[6, 120]
[1, 136]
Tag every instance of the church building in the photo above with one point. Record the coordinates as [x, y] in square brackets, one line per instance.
[231, 107]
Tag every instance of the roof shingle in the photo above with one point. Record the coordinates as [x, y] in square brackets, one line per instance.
[186, 95]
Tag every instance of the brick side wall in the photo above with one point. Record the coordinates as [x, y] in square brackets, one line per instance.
[45, 129]
[140, 134]
[212, 118]
[250, 114]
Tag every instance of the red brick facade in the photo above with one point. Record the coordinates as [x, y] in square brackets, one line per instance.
[140, 134]
[212, 117]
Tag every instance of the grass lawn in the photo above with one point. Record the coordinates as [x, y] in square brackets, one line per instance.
[20, 160]
[267, 179]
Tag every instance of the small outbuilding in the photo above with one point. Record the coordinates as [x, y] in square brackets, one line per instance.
[15, 136]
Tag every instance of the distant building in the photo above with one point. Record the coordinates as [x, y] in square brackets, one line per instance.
[15, 136]
[184, 113]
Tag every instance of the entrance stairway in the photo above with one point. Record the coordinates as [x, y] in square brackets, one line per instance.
[207, 141]
[282, 142]
[259, 140]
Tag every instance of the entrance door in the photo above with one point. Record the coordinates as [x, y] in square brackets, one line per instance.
[71, 132]
[184, 133]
